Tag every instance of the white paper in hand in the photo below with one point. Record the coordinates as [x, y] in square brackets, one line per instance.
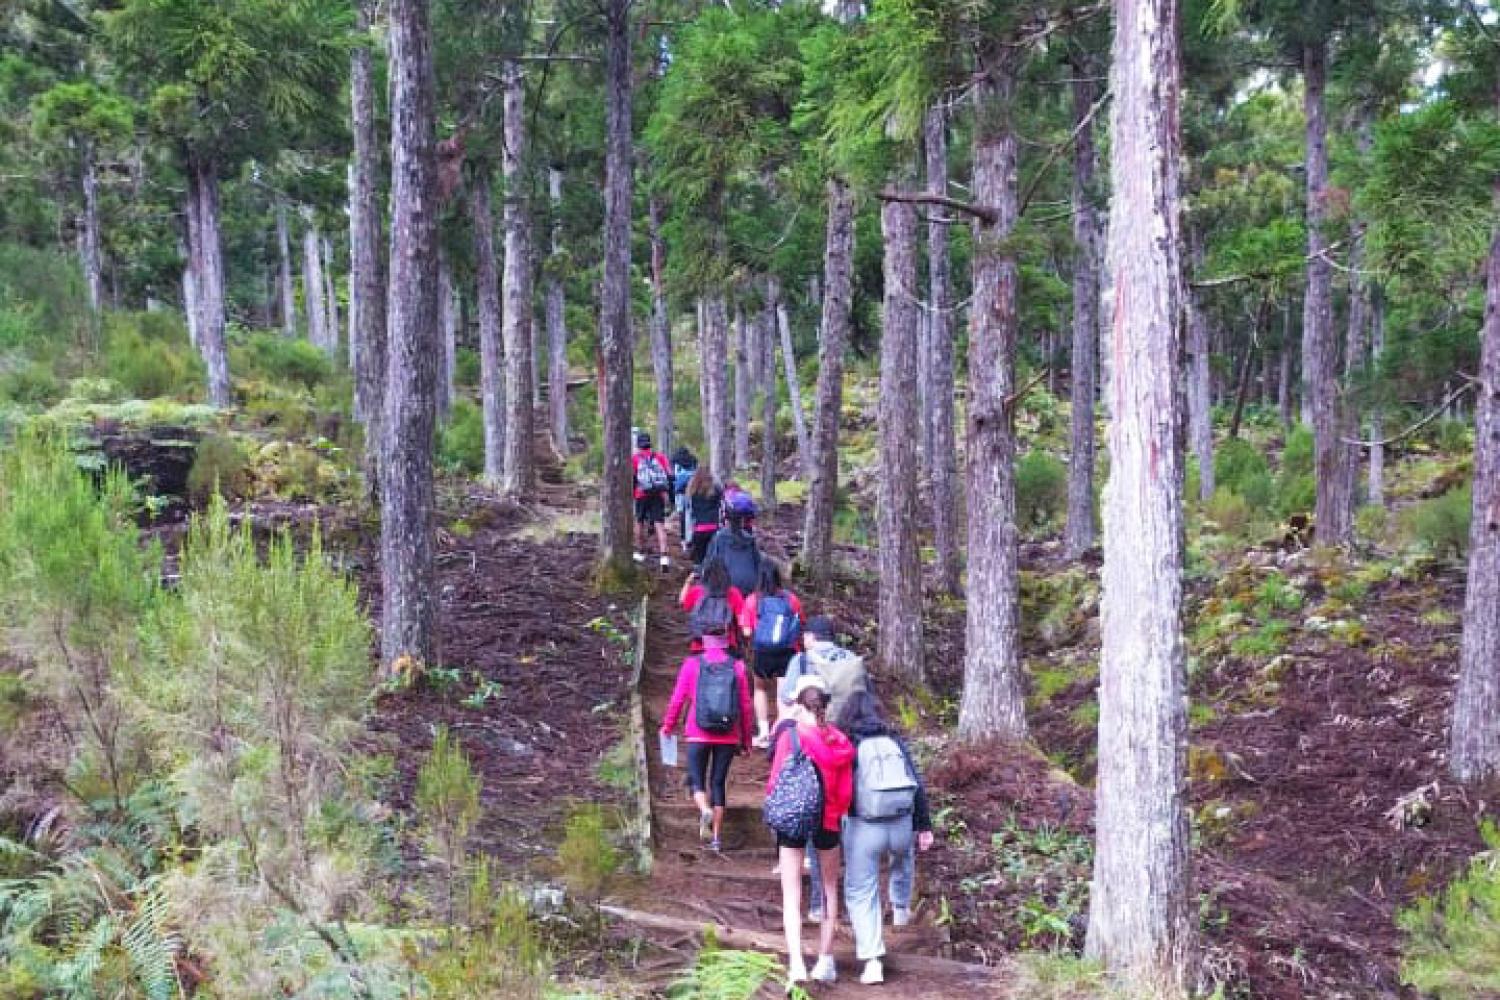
[668, 749]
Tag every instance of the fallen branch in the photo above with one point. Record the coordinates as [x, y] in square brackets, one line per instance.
[1020, 394]
[1437, 411]
[986, 215]
[1056, 151]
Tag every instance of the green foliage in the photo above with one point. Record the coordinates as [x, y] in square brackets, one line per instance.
[719, 974]
[42, 299]
[499, 954]
[461, 440]
[1041, 491]
[1229, 511]
[1441, 524]
[282, 360]
[149, 355]
[1452, 947]
[220, 465]
[448, 794]
[1239, 467]
[30, 383]
[466, 371]
[587, 857]
[1296, 485]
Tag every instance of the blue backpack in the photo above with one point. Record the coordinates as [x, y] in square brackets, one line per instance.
[777, 627]
[794, 809]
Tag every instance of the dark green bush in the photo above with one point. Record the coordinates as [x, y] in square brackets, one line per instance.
[1041, 490]
[1229, 511]
[461, 440]
[281, 360]
[466, 367]
[1296, 494]
[222, 464]
[149, 354]
[1441, 524]
[31, 383]
[1297, 458]
[1239, 467]
[42, 298]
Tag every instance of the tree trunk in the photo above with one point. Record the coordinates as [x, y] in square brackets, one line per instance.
[992, 702]
[833, 336]
[942, 450]
[330, 300]
[557, 325]
[615, 538]
[1475, 748]
[766, 347]
[1140, 919]
[1285, 390]
[409, 603]
[90, 246]
[900, 609]
[741, 390]
[286, 288]
[701, 328]
[715, 375]
[793, 389]
[312, 283]
[206, 251]
[661, 334]
[491, 354]
[1320, 371]
[1376, 483]
[1199, 389]
[448, 332]
[1079, 535]
[520, 475]
[190, 308]
[1357, 338]
[367, 331]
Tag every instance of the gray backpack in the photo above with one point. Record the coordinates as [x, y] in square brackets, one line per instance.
[884, 787]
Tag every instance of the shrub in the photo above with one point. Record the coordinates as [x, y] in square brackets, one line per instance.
[1296, 485]
[1372, 524]
[448, 801]
[221, 465]
[461, 440]
[1454, 436]
[1441, 524]
[1297, 457]
[42, 298]
[149, 354]
[1237, 463]
[1452, 947]
[501, 954]
[587, 858]
[31, 384]
[1041, 490]
[466, 369]
[283, 360]
[1229, 511]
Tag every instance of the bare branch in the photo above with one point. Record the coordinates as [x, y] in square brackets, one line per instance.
[1036, 178]
[1437, 411]
[924, 198]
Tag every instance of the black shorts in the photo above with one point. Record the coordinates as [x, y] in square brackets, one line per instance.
[771, 666]
[823, 840]
[651, 509]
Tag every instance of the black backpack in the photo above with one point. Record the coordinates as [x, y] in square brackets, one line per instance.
[716, 703]
[711, 616]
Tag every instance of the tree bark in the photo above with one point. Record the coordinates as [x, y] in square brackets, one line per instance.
[1375, 486]
[409, 602]
[1285, 391]
[367, 328]
[766, 347]
[520, 474]
[942, 448]
[1078, 537]
[1140, 920]
[715, 376]
[1320, 371]
[330, 300]
[491, 354]
[557, 324]
[91, 244]
[833, 337]
[206, 251]
[793, 389]
[1200, 388]
[285, 287]
[615, 537]
[992, 702]
[701, 329]
[661, 334]
[312, 283]
[742, 382]
[448, 331]
[1474, 753]
[900, 607]
[1357, 338]
[190, 309]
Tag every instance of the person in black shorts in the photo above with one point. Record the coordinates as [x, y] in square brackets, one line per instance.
[653, 490]
[772, 622]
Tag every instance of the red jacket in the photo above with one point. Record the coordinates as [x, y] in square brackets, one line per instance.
[736, 603]
[833, 754]
[685, 693]
[637, 457]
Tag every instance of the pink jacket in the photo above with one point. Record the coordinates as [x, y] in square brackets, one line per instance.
[833, 754]
[686, 691]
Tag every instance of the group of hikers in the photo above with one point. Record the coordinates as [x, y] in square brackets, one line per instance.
[841, 781]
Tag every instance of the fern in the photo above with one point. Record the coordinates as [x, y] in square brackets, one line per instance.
[729, 975]
[151, 948]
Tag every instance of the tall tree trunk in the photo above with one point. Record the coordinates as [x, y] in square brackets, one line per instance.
[207, 253]
[900, 609]
[91, 243]
[409, 603]
[1285, 390]
[1320, 371]
[557, 324]
[1199, 394]
[1376, 482]
[661, 333]
[741, 390]
[615, 538]
[992, 702]
[1140, 920]
[942, 448]
[1475, 746]
[285, 287]
[766, 347]
[1079, 535]
[448, 333]
[491, 354]
[312, 283]
[793, 389]
[833, 337]
[367, 331]
[330, 300]
[520, 474]
[190, 309]
[716, 377]
[1357, 338]
[701, 326]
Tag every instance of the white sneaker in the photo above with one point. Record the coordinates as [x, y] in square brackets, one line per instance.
[666, 564]
[814, 916]
[705, 824]
[639, 557]
[900, 916]
[825, 971]
[874, 973]
[796, 972]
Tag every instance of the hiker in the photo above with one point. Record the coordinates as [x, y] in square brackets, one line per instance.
[772, 622]
[713, 698]
[653, 488]
[807, 795]
[711, 600]
[734, 543]
[739, 502]
[888, 818]
[704, 501]
[684, 464]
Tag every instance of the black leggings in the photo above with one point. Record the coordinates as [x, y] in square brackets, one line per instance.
[709, 762]
[699, 543]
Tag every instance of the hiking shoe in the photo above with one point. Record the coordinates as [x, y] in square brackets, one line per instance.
[639, 557]
[706, 825]
[761, 741]
[815, 915]
[666, 564]
[900, 916]
[825, 971]
[715, 846]
[796, 973]
[874, 973]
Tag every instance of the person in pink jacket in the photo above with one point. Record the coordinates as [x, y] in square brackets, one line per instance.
[716, 729]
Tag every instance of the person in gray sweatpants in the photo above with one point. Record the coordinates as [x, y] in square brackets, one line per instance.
[872, 838]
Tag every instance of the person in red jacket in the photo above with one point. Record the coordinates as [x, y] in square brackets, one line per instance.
[653, 490]
[714, 582]
[833, 755]
[771, 652]
[709, 754]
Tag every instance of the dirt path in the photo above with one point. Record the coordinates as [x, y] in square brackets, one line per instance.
[737, 890]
